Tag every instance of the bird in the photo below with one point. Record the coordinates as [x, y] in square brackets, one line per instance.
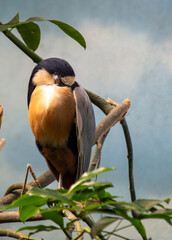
[62, 119]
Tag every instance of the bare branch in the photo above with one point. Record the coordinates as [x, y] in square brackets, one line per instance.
[44, 180]
[16, 186]
[8, 217]
[6, 232]
[130, 159]
[115, 115]
[99, 102]
[129, 155]
[97, 152]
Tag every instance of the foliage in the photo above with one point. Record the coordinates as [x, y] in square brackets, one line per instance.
[31, 34]
[86, 199]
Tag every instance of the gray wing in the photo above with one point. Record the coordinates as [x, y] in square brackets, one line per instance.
[85, 122]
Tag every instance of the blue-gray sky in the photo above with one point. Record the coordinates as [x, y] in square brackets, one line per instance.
[129, 54]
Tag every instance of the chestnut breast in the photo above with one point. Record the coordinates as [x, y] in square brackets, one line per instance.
[51, 114]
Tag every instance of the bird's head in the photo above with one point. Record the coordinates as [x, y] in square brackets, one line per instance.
[49, 72]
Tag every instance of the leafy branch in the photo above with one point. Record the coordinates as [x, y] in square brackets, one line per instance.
[85, 198]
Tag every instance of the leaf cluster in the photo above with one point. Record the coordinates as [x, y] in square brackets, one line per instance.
[84, 199]
[31, 34]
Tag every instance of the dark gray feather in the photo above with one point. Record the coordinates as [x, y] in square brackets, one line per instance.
[85, 122]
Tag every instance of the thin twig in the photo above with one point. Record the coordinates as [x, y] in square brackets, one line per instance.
[114, 229]
[44, 180]
[6, 232]
[130, 159]
[81, 234]
[25, 181]
[66, 233]
[97, 152]
[129, 154]
[77, 224]
[90, 223]
[1, 114]
[117, 235]
[16, 186]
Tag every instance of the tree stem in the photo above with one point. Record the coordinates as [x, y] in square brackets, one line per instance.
[22, 46]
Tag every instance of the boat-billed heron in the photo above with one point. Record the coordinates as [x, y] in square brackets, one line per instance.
[62, 119]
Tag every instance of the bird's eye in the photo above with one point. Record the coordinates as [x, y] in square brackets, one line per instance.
[56, 78]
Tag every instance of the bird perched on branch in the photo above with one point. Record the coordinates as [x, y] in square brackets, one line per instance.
[62, 119]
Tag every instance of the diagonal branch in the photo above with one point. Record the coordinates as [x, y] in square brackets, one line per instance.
[115, 115]
[6, 232]
[44, 180]
[97, 153]
[22, 46]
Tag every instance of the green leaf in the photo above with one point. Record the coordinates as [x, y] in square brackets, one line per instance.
[103, 195]
[96, 185]
[27, 212]
[139, 226]
[128, 206]
[27, 200]
[38, 228]
[86, 177]
[36, 19]
[167, 200]
[165, 214]
[86, 194]
[91, 209]
[3, 207]
[101, 224]
[50, 194]
[147, 204]
[30, 32]
[134, 221]
[4, 27]
[14, 20]
[53, 215]
[70, 31]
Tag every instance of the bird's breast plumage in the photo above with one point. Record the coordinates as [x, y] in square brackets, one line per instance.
[51, 114]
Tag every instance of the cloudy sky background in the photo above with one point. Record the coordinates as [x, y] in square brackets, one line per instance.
[129, 54]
